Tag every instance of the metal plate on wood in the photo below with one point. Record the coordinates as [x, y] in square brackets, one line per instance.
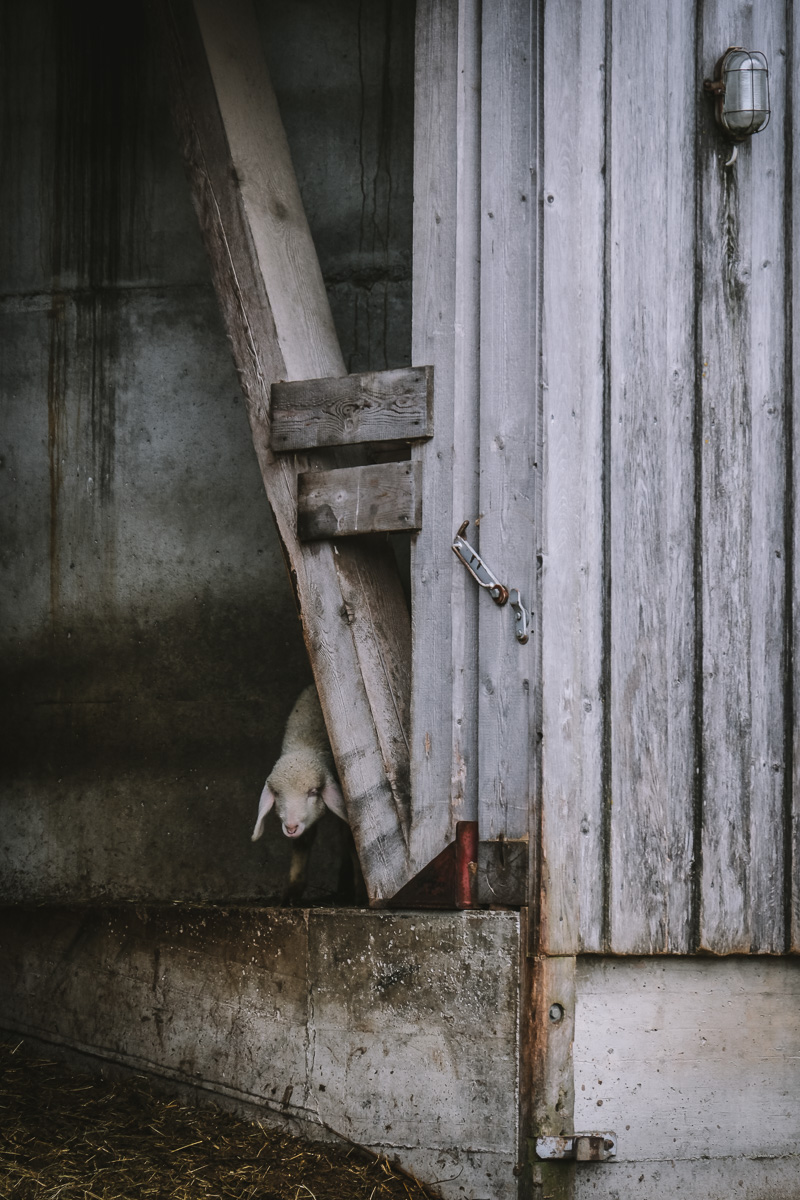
[502, 876]
[448, 881]
[580, 1147]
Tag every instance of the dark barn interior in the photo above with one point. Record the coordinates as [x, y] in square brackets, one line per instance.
[151, 647]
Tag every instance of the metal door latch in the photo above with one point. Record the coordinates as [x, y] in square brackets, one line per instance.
[486, 579]
[582, 1147]
[478, 568]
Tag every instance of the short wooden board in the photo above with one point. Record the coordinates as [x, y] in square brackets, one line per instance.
[374, 499]
[378, 406]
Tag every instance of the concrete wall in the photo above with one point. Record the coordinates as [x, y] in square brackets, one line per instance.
[398, 1031]
[695, 1064]
[148, 637]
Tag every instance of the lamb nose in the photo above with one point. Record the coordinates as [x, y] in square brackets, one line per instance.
[291, 829]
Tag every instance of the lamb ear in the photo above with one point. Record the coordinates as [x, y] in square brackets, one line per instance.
[333, 798]
[264, 805]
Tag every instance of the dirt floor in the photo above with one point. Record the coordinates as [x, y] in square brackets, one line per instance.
[67, 1135]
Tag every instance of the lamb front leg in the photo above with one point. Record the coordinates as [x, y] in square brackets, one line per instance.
[298, 868]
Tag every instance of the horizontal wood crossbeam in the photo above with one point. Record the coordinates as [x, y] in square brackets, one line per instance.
[377, 406]
[372, 499]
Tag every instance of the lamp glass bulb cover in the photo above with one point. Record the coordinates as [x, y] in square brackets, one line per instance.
[745, 107]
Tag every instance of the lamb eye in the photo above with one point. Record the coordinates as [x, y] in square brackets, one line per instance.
[314, 792]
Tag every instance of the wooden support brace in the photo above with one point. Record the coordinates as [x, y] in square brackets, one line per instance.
[270, 288]
[376, 499]
[378, 406]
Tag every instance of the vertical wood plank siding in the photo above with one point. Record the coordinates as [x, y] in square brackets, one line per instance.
[792, 823]
[445, 335]
[572, 504]
[509, 408]
[742, 509]
[669, 812]
[651, 485]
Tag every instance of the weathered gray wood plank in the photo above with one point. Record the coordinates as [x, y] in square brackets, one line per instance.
[445, 333]
[792, 824]
[651, 476]
[769, 400]
[275, 309]
[743, 481]
[384, 657]
[572, 503]
[372, 407]
[551, 1075]
[358, 500]
[509, 410]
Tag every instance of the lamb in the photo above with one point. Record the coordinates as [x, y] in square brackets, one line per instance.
[300, 786]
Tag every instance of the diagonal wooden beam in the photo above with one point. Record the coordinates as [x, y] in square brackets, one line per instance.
[270, 287]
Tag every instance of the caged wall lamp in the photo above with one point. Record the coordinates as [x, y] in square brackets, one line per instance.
[741, 90]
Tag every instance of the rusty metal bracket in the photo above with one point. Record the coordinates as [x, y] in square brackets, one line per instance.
[581, 1147]
[470, 874]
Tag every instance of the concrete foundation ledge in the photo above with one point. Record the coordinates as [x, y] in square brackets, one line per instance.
[397, 1031]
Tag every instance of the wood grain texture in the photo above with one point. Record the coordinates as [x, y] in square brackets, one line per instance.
[572, 503]
[358, 500]
[694, 513]
[502, 873]
[651, 477]
[446, 314]
[509, 410]
[267, 185]
[372, 407]
[277, 318]
[792, 824]
[552, 1030]
[743, 486]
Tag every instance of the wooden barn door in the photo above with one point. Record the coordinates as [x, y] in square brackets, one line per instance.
[669, 565]
[608, 311]
[476, 315]
[612, 316]
[464, 754]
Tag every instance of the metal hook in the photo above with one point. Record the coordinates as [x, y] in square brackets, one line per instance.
[734, 153]
[520, 616]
